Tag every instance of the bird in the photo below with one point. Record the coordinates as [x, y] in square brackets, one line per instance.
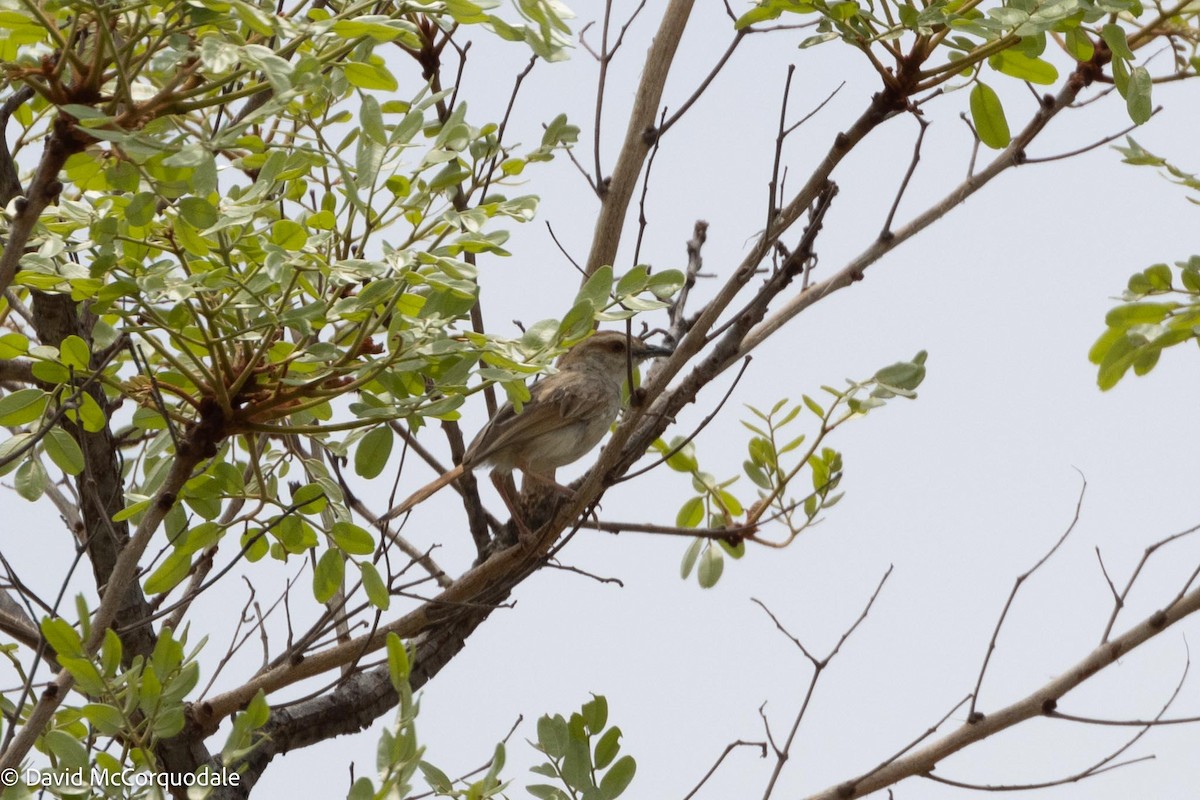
[567, 415]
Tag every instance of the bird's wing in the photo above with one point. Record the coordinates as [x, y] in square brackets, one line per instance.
[551, 406]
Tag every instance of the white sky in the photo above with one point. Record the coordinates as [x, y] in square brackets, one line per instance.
[961, 490]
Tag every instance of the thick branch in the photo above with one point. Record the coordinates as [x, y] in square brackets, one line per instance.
[44, 189]
[1037, 704]
[639, 136]
[124, 572]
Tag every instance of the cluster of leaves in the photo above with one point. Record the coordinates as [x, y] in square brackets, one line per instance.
[581, 752]
[144, 699]
[582, 755]
[1008, 39]
[238, 251]
[1161, 305]
[269, 224]
[140, 702]
[716, 508]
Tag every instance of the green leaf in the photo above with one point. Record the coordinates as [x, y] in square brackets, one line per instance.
[618, 778]
[89, 414]
[1137, 95]
[578, 321]
[74, 352]
[712, 564]
[85, 674]
[310, 499]
[107, 719]
[255, 544]
[370, 116]
[198, 212]
[595, 714]
[684, 459]
[1138, 314]
[691, 514]
[1079, 44]
[60, 635]
[596, 289]
[22, 406]
[373, 452]
[397, 659]
[67, 750]
[633, 281]
[110, 652]
[379, 27]
[1018, 65]
[552, 735]
[689, 558]
[352, 539]
[13, 345]
[362, 789]
[438, 781]
[1120, 74]
[813, 406]
[1114, 36]
[988, 114]
[577, 765]
[173, 569]
[906, 375]
[258, 712]
[370, 76]
[31, 480]
[328, 575]
[288, 234]
[608, 747]
[373, 585]
[63, 450]
[666, 283]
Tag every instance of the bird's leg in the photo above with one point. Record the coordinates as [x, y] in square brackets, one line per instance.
[533, 478]
[507, 490]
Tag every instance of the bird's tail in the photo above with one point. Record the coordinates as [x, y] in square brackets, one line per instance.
[424, 493]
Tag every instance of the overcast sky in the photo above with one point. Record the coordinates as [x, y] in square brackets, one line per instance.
[961, 490]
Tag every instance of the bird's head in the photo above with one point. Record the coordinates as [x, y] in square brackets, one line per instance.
[609, 351]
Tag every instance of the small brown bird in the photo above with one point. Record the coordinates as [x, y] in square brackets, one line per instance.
[567, 414]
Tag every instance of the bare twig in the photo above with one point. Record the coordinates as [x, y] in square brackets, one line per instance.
[642, 220]
[1087, 148]
[687, 439]
[972, 714]
[694, 263]
[729, 748]
[669, 122]
[819, 664]
[912, 167]
[1119, 600]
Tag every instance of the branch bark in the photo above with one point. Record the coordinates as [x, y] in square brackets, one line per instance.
[639, 137]
[1039, 703]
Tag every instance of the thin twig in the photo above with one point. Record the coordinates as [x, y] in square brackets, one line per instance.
[972, 714]
[819, 665]
[563, 250]
[729, 748]
[666, 125]
[687, 440]
[912, 167]
[642, 220]
[695, 261]
[1119, 601]
[1092, 146]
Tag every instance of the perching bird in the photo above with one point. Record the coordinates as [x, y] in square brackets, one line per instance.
[567, 414]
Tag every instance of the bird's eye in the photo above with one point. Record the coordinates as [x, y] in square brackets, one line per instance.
[616, 347]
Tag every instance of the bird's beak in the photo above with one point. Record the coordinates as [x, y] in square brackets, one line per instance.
[651, 351]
